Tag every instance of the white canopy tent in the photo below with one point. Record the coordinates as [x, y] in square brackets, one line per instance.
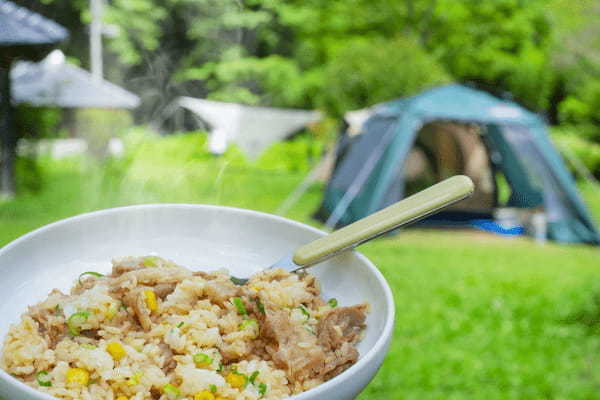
[55, 82]
[253, 129]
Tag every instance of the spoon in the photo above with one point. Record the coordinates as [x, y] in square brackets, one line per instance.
[404, 212]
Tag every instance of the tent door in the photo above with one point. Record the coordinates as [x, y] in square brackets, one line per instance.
[446, 148]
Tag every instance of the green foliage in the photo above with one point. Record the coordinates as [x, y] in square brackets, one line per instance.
[502, 45]
[332, 54]
[364, 72]
[37, 122]
[296, 155]
[569, 139]
[29, 175]
[576, 59]
[233, 79]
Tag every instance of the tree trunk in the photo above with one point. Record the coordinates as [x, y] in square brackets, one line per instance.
[8, 140]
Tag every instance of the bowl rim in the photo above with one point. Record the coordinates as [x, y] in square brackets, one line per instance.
[378, 347]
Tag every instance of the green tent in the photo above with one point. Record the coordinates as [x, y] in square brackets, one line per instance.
[413, 142]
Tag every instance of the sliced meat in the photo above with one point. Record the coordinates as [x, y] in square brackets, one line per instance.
[169, 364]
[120, 269]
[162, 290]
[49, 318]
[341, 325]
[155, 393]
[135, 299]
[149, 277]
[339, 360]
[291, 347]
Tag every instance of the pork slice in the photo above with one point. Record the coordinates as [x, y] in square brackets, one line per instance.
[120, 269]
[169, 363]
[150, 277]
[50, 321]
[292, 347]
[162, 290]
[339, 360]
[135, 300]
[341, 325]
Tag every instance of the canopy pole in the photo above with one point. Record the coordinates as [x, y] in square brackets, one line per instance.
[8, 153]
[96, 40]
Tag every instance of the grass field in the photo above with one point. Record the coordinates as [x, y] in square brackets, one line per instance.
[477, 316]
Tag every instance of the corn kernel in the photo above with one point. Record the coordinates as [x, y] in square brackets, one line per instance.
[135, 379]
[116, 350]
[221, 398]
[236, 380]
[78, 376]
[112, 311]
[122, 398]
[151, 300]
[204, 395]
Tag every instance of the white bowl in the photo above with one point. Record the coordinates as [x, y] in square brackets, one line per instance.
[199, 237]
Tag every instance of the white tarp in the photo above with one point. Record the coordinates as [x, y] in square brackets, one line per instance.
[55, 82]
[253, 129]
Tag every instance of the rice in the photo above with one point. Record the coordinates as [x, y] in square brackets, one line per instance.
[155, 330]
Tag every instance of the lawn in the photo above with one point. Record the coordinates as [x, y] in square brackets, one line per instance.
[477, 316]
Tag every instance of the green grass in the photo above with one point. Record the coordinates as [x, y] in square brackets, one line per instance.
[477, 316]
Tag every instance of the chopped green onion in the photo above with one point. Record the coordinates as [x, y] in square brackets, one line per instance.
[96, 274]
[220, 369]
[253, 376]
[75, 321]
[43, 379]
[333, 302]
[171, 391]
[123, 307]
[247, 323]
[262, 389]
[201, 358]
[239, 304]
[260, 305]
[179, 325]
[89, 346]
[213, 388]
[309, 329]
[150, 261]
[304, 311]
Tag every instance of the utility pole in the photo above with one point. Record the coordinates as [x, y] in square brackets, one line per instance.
[96, 39]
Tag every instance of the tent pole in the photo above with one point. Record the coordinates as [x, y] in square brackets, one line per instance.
[361, 178]
[8, 137]
[300, 189]
[580, 167]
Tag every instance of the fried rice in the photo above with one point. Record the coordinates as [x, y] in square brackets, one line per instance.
[155, 330]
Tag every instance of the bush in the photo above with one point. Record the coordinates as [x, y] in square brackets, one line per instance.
[28, 174]
[37, 122]
[295, 155]
[567, 138]
[368, 71]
